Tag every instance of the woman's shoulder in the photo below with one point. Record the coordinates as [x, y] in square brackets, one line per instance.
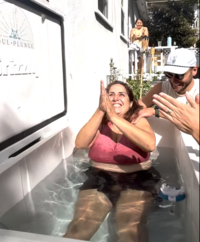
[144, 29]
[142, 123]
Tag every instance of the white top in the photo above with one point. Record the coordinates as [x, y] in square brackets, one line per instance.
[167, 88]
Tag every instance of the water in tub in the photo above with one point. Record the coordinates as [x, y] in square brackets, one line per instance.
[53, 201]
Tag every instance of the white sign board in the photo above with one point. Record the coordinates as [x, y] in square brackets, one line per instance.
[31, 69]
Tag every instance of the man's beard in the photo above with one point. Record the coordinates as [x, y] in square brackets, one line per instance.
[183, 86]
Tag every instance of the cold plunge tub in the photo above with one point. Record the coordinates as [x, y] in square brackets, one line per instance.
[39, 190]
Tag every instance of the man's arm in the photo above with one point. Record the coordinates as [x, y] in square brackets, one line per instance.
[146, 101]
[184, 117]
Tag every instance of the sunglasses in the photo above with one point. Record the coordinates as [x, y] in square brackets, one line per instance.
[177, 76]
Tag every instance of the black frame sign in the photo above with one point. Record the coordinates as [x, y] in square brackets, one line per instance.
[32, 69]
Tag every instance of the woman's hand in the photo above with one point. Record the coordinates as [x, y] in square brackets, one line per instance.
[143, 31]
[102, 99]
[132, 35]
[110, 111]
[105, 104]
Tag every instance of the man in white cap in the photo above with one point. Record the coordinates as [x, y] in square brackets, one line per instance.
[180, 69]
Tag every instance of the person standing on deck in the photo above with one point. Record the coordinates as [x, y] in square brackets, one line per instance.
[136, 36]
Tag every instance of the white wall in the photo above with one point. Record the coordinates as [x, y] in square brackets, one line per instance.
[89, 47]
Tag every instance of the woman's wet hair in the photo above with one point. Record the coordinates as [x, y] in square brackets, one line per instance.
[138, 20]
[135, 106]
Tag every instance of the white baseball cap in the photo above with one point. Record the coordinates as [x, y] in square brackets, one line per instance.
[179, 61]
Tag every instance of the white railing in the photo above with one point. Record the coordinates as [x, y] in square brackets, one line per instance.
[121, 75]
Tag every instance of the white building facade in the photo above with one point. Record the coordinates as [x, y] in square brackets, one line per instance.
[52, 56]
[95, 32]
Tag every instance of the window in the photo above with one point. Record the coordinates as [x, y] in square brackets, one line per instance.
[103, 7]
[122, 21]
[103, 13]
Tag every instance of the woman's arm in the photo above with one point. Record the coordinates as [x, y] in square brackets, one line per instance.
[132, 35]
[89, 132]
[140, 134]
[146, 32]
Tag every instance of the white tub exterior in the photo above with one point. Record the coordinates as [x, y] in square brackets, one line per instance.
[186, 152]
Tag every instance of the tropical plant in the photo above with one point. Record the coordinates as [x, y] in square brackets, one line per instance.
[173, 19]
[135, 86]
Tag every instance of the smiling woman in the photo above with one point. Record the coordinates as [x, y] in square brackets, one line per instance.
[123, 100]
[137, 36]
[121, 174]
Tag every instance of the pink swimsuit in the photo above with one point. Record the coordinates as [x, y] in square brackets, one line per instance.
[105, 150]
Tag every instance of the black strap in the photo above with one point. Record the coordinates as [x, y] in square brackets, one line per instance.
[157, 113]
